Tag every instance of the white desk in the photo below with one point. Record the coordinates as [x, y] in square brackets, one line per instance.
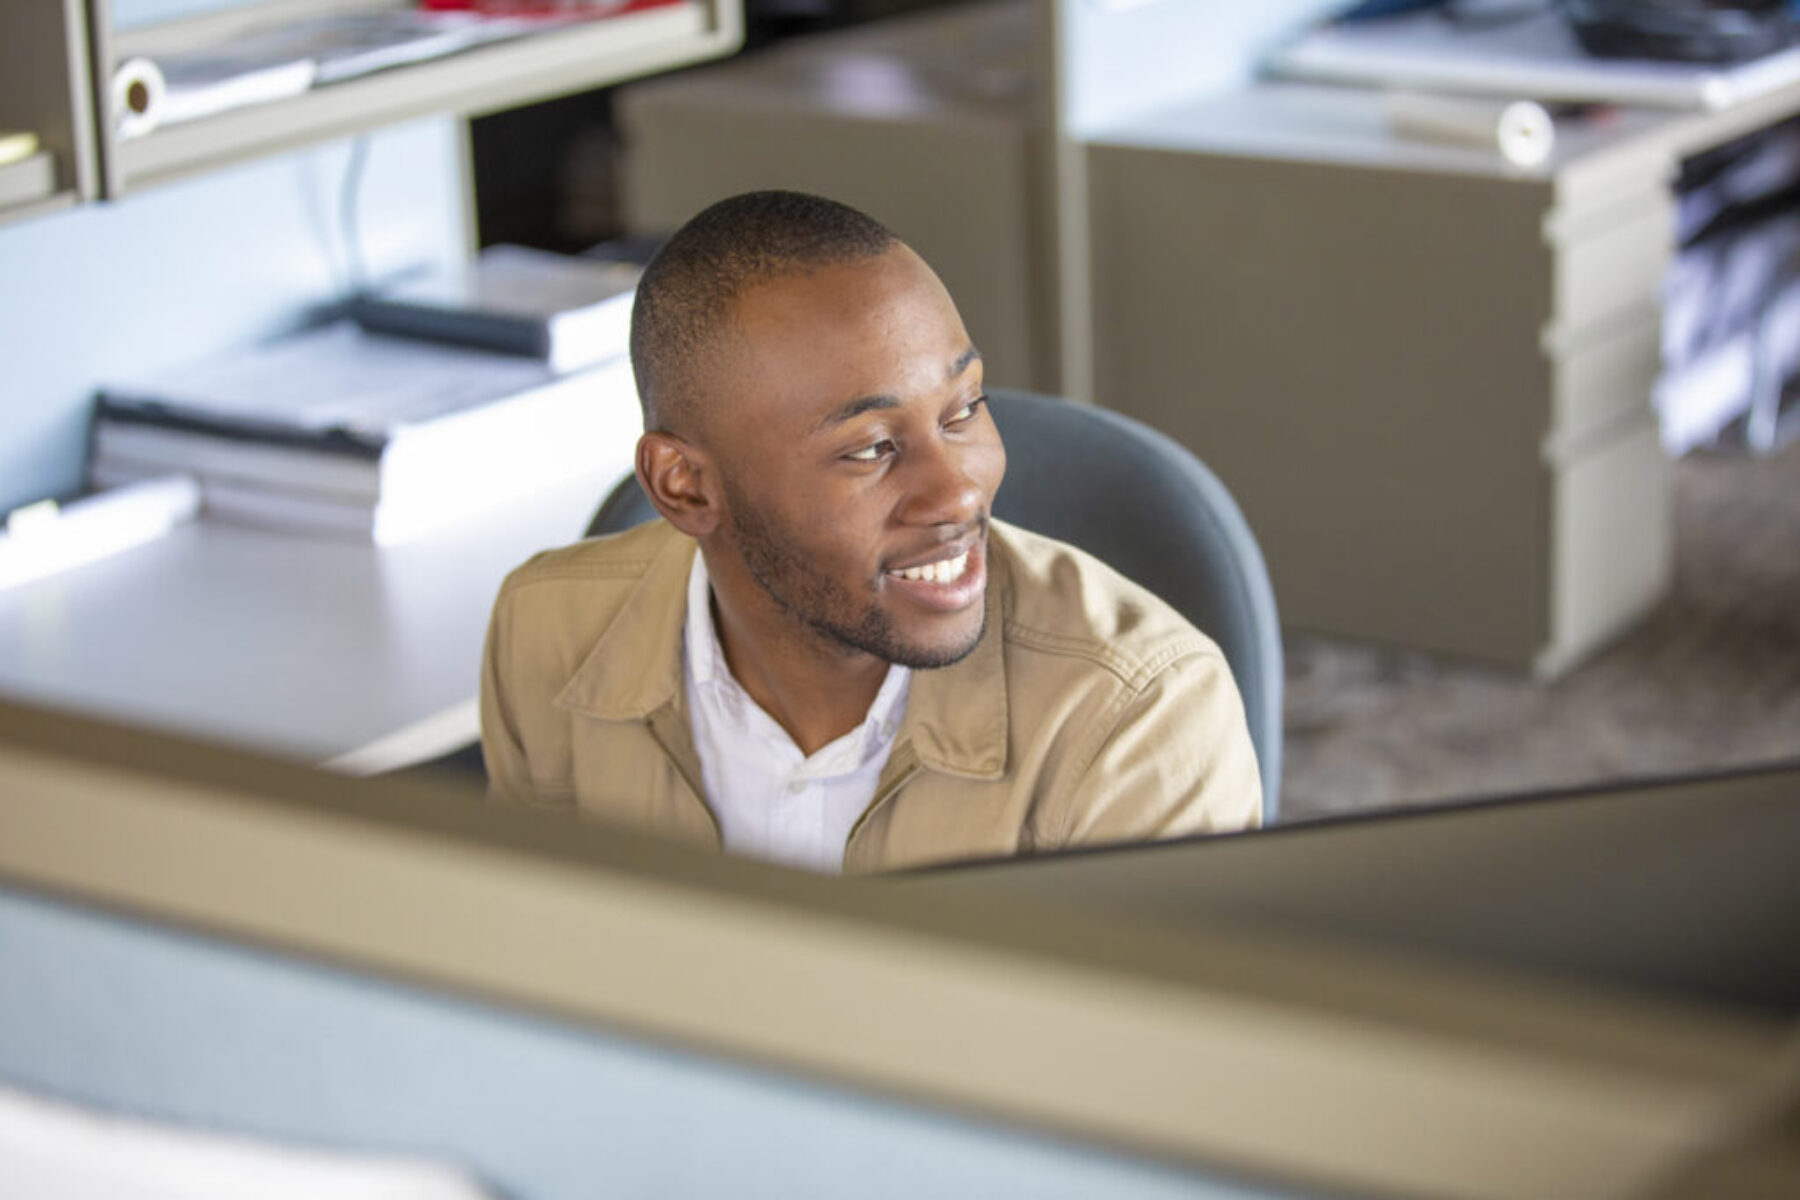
[328, 651]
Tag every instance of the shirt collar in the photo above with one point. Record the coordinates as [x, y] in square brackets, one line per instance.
[704, 657]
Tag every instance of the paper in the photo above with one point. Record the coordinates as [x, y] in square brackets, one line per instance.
[335, 378]
[518, 280]
[138, 93]
[202, 85]
[57, 1151]
[43, 539]
[1534, 57]
[1520, 129]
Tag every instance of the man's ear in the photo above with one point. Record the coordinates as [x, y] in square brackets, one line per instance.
[680, 481]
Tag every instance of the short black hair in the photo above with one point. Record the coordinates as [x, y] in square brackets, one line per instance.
[690, 285]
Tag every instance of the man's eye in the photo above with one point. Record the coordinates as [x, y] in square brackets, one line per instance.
[872, 453]
[966, 412]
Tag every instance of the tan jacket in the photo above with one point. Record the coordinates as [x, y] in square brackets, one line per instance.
[1089, 712]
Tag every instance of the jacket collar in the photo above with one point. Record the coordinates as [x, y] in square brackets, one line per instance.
[956, 716]
[635, 667]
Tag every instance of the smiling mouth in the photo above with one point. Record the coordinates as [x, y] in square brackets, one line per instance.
[947, 570]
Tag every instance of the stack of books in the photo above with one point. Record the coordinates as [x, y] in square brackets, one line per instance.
[344, 431]
[569, 312]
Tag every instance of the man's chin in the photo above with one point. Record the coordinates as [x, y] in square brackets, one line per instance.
[932, 655]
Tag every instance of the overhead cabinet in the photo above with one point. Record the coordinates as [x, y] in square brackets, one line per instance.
[560, 58]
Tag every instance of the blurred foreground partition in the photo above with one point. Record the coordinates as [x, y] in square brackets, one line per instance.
[216, 940]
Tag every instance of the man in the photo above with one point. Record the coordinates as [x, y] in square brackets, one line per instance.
[827, 653]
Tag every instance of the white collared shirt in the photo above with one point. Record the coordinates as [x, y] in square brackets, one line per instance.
[772, 801]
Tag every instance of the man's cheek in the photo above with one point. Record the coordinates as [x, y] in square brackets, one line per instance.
[993, 470]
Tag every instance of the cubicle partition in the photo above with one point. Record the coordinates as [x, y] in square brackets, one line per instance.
[204, 937]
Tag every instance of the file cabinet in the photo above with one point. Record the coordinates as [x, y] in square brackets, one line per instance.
[1425, 374]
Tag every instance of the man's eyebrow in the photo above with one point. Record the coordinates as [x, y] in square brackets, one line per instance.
[856, 408]
[963, 361]
[882, 400]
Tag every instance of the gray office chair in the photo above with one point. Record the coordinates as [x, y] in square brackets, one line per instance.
[1141, 503]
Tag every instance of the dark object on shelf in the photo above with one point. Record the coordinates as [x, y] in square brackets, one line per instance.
[638, 248]
[571, 312]
[1713, 31]
[1374, 10]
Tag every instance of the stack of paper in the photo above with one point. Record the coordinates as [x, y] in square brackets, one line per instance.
[342, 431]
[199, 85]
[570, 312]
[59, 1151]
[1531, 55]
[277, 61]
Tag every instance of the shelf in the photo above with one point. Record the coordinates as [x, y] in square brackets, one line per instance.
[539, 66]
[44, 89]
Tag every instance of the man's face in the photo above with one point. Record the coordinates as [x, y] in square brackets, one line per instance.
[858, 459]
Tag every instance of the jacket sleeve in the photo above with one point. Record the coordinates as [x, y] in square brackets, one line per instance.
[1174, 760]
[502, 750]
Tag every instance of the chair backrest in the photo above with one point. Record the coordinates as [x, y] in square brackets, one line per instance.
[1144, 505]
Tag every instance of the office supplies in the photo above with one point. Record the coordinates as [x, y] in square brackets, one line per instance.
[29, 178]
[537, 59]
[141, 446]
[570, 312]
[1536, 57]
[55, 1148]
[541, 10]
[1716, 31]
[16, 144]
[1521, 129]
[206, 82]
[44, 538]
[278, 61]
[351, 44]
[383, 521]
[137, 93]
[385, 436]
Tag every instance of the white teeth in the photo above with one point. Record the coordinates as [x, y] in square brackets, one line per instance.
[947, 571]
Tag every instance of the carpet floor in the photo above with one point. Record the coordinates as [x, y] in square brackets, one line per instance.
[1710, 678]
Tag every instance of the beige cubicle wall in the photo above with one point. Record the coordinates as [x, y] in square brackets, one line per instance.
[1227, 1051]
[928, 122]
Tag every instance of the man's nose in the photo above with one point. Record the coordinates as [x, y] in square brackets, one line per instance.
[940, 488]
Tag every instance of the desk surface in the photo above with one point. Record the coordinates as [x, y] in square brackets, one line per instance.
[328, 651]
[1349, 126]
